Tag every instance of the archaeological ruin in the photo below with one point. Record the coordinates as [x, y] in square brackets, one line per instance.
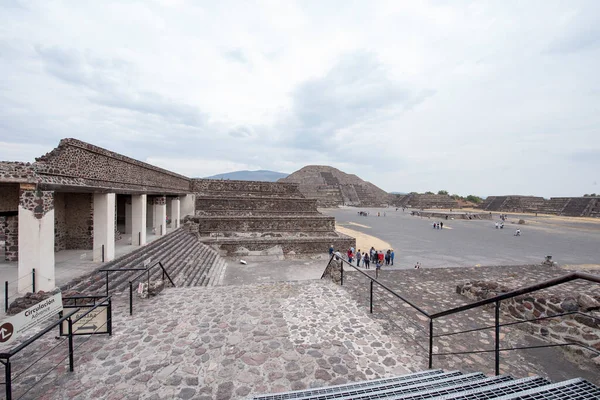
[80, 196]
[332, 187]
[568, 206]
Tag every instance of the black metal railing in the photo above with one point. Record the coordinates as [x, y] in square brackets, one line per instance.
[143, 271]
[71, 318]
[7, 283]
[494, 300]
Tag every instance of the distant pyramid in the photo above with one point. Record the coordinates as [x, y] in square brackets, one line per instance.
[332, 187]
[260, 175]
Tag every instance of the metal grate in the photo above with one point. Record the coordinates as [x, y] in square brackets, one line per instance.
[440, 391]
[577, 388]
[391, 390]
[418, 377]
[495, 390]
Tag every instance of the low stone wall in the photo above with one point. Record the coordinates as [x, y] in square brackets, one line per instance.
[566, 329]
[271, 204]
[231, 187]
[207, 225]
[288, 247]
[447, 216]
[333, 271]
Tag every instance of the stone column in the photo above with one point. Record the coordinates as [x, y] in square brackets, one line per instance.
[138, 220]
[128, 219]
[159, 203]
[104, 226]
[175, 213]
[36, 238]
[188, 205]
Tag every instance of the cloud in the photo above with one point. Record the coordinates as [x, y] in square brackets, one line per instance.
[355, 90]
[104, 77]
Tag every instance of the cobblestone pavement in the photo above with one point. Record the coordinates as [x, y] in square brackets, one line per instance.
[434, 290]
[225, 342]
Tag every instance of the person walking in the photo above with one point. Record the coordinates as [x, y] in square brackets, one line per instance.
[358, 257]
[380, 257]
[387, 257]
[392, 256]
[330, 250]
[441, 225]
[366, 260]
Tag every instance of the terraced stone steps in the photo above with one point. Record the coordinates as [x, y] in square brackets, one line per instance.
[184, 257]
[437, 384]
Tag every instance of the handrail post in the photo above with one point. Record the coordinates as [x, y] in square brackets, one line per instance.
[8, 379]
[5, 296]
[430, 343]
[102, 253]
[107, 283]
[139, 238]
[371, 301]
[130, 298]
[148, 282]
[109, 317]
[33, 279]
[71, 364]
[342, 272]
[497, 345]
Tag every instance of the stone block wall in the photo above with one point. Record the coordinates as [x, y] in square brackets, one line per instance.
[75, 162]
[244, 188]
[11, 231]
[565, 329]
[271, 204]
[208, 225]
[9, 197]
[74, 221]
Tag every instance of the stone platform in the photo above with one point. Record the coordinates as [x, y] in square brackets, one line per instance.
[227, 342]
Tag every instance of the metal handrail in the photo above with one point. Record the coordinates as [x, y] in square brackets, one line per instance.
[144, 269]
[35, 337]
[425, 313]
[528, 289]
[494, 300]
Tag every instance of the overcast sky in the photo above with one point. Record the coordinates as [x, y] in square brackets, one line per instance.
[483, 97]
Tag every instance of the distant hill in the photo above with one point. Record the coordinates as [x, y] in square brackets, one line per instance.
[260, 175]
[332, 187]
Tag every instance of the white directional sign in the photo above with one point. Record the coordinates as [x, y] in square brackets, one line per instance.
[94, 322]
[15, 326]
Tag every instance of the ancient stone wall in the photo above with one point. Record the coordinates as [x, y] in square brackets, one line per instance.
[289, 247]
[60, 225]
[271, 204]
[565, 329]
[243, 188]
[16, 172]
[307, 224]
[9, 197]
[76, 163]
[11, 230]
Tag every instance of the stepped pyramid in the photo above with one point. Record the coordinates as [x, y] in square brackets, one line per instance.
[332, 187]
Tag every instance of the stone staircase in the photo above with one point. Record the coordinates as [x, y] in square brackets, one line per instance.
[577, 206]
[188, 262]
[437, 384]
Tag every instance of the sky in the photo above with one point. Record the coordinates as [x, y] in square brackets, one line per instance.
[473, 97]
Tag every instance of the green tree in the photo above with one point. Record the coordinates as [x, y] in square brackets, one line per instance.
[456, 197]
[428, 192]
[444, 192]
[474, 199]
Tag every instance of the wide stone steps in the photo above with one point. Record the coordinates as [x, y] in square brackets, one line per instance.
[437, 384]
[185, 258]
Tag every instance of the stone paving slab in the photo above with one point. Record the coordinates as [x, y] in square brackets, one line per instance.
[227, 342]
